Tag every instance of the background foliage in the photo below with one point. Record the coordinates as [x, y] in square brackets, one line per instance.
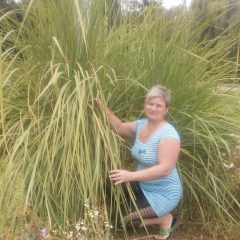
[56, 150]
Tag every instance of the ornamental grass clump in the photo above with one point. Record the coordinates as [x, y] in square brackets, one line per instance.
[56, 146]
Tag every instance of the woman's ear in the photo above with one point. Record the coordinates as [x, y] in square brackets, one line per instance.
[167, 110]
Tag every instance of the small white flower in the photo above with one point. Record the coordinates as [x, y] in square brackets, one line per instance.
[86, 204]
[44, 232]
[70, 235]
[78, 227]
[228, 166]
[96, 213]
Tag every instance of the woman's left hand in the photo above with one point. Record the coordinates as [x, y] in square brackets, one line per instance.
[120, 176]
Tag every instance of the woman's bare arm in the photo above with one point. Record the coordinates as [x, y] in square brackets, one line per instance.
[127, 129]
[167, 154]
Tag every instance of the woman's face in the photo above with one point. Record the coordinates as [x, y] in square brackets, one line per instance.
[155, 108]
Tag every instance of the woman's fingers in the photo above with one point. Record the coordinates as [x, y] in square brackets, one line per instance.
[114, 171]
[118, 182]
[119, 176]
[96, 100]
[114, 174]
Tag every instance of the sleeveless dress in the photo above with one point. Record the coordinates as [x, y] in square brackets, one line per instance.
[164, 193]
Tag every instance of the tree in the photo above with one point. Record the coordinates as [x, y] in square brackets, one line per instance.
[6, 4]
[147, 3]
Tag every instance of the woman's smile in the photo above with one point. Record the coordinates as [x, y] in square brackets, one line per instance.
[156, 108]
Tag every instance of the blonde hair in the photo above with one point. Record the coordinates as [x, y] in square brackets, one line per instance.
[159, 91]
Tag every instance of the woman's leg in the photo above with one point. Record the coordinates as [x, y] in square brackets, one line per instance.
[137, 209]
[164, 223]
[145, 214]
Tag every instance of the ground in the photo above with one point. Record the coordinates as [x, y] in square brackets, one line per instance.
[186, 231]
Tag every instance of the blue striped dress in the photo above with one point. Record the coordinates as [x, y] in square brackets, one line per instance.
[164, 193]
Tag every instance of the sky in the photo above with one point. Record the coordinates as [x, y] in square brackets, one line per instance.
[166, 3]
[171, 3]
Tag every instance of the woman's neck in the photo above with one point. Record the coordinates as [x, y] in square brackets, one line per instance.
[152, 123]
[152, 126]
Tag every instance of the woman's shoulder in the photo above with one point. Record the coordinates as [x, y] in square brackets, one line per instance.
[141, 122]
[169, 131]
[170, 126]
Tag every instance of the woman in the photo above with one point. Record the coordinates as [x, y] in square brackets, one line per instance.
[155, 183]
